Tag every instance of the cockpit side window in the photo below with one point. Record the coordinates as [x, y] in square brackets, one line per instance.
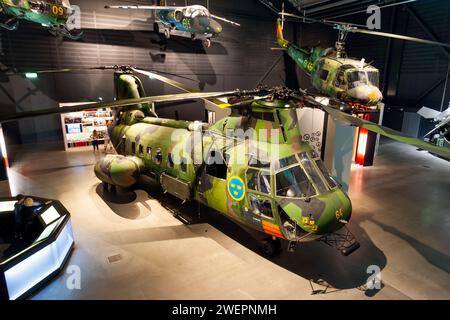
[258, 180]
[252, 179]
[374, 78]
[331, 182]
[340, 79]
[264, 182]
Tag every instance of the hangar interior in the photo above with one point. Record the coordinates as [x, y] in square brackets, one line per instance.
[138, 246]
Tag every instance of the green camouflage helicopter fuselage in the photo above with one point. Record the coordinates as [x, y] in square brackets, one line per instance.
[349, 80]
[269, 180]
[49, 14]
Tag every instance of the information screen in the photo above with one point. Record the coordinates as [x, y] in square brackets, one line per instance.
[73, 128]
[50, 215]
[6, 206]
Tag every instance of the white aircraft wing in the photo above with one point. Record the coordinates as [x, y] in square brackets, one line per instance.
[225, 20]
[143, 7]
[428, 113]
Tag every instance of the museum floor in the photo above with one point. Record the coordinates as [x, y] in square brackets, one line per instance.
[141, 251]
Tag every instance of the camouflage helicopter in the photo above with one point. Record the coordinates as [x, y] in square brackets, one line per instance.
[195, 19]
[267, 179]
[332, 72]
[51, 14]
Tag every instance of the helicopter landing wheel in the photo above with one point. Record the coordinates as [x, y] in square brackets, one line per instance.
[167, 33]
[192, 36]
[156, 27]
[270, 247]
[105, 186]
[207, 43]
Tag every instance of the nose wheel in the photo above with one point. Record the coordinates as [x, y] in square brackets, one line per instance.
[207, 43]
[270, 247]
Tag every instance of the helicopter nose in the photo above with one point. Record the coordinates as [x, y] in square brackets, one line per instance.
[336, 214]
[369, 95]
[216, 27]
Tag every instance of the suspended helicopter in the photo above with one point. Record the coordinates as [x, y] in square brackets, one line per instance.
[332, 72]
[267, 180]
[51, 14]
[195, 19]
[440, 135]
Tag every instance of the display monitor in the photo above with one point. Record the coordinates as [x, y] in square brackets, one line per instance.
[73, 128]
[50, 215]
[6, 206]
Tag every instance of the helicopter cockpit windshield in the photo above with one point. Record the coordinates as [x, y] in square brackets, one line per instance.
[358, 78]
[301, 177]
[196, 11]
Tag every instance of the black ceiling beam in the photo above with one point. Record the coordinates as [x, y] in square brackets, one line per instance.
[425, 27]
[431, 89]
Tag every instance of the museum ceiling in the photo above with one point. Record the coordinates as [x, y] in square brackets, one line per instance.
[332, 8]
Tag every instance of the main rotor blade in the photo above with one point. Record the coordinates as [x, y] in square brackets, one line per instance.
[225, 20]
[181, 86]
[351, 27]
[139, 7]
[387, 132]
[125, 103]
[115, 68]
[398, 36]
[323, 21]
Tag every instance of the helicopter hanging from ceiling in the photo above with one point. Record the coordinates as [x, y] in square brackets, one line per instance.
[55, 15]
[332, 72]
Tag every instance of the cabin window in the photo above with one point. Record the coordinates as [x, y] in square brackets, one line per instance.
[323, 74]
[266, 116]
[141, 150]
[261, 207]
[216, 166]
[170, 162]
[217, 170]
[158, 156]
[340, 80]
[133, 148]
[258, 180]
[149, 152]
[264, 182]
[252, 179]
[123, 144]
[183, 164]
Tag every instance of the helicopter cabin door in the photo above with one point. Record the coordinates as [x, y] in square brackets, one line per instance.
[213, 183]
[261, 209]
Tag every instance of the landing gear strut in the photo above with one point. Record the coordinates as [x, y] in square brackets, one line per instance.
[343, 240]
[156, 27]
[270, 246]
[167, 33]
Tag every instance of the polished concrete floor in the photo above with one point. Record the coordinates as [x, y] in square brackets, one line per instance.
[140, 250]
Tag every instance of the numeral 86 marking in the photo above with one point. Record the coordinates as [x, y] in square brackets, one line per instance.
[57, 10]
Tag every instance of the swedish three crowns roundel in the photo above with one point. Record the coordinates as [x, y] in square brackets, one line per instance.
[236, 188]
